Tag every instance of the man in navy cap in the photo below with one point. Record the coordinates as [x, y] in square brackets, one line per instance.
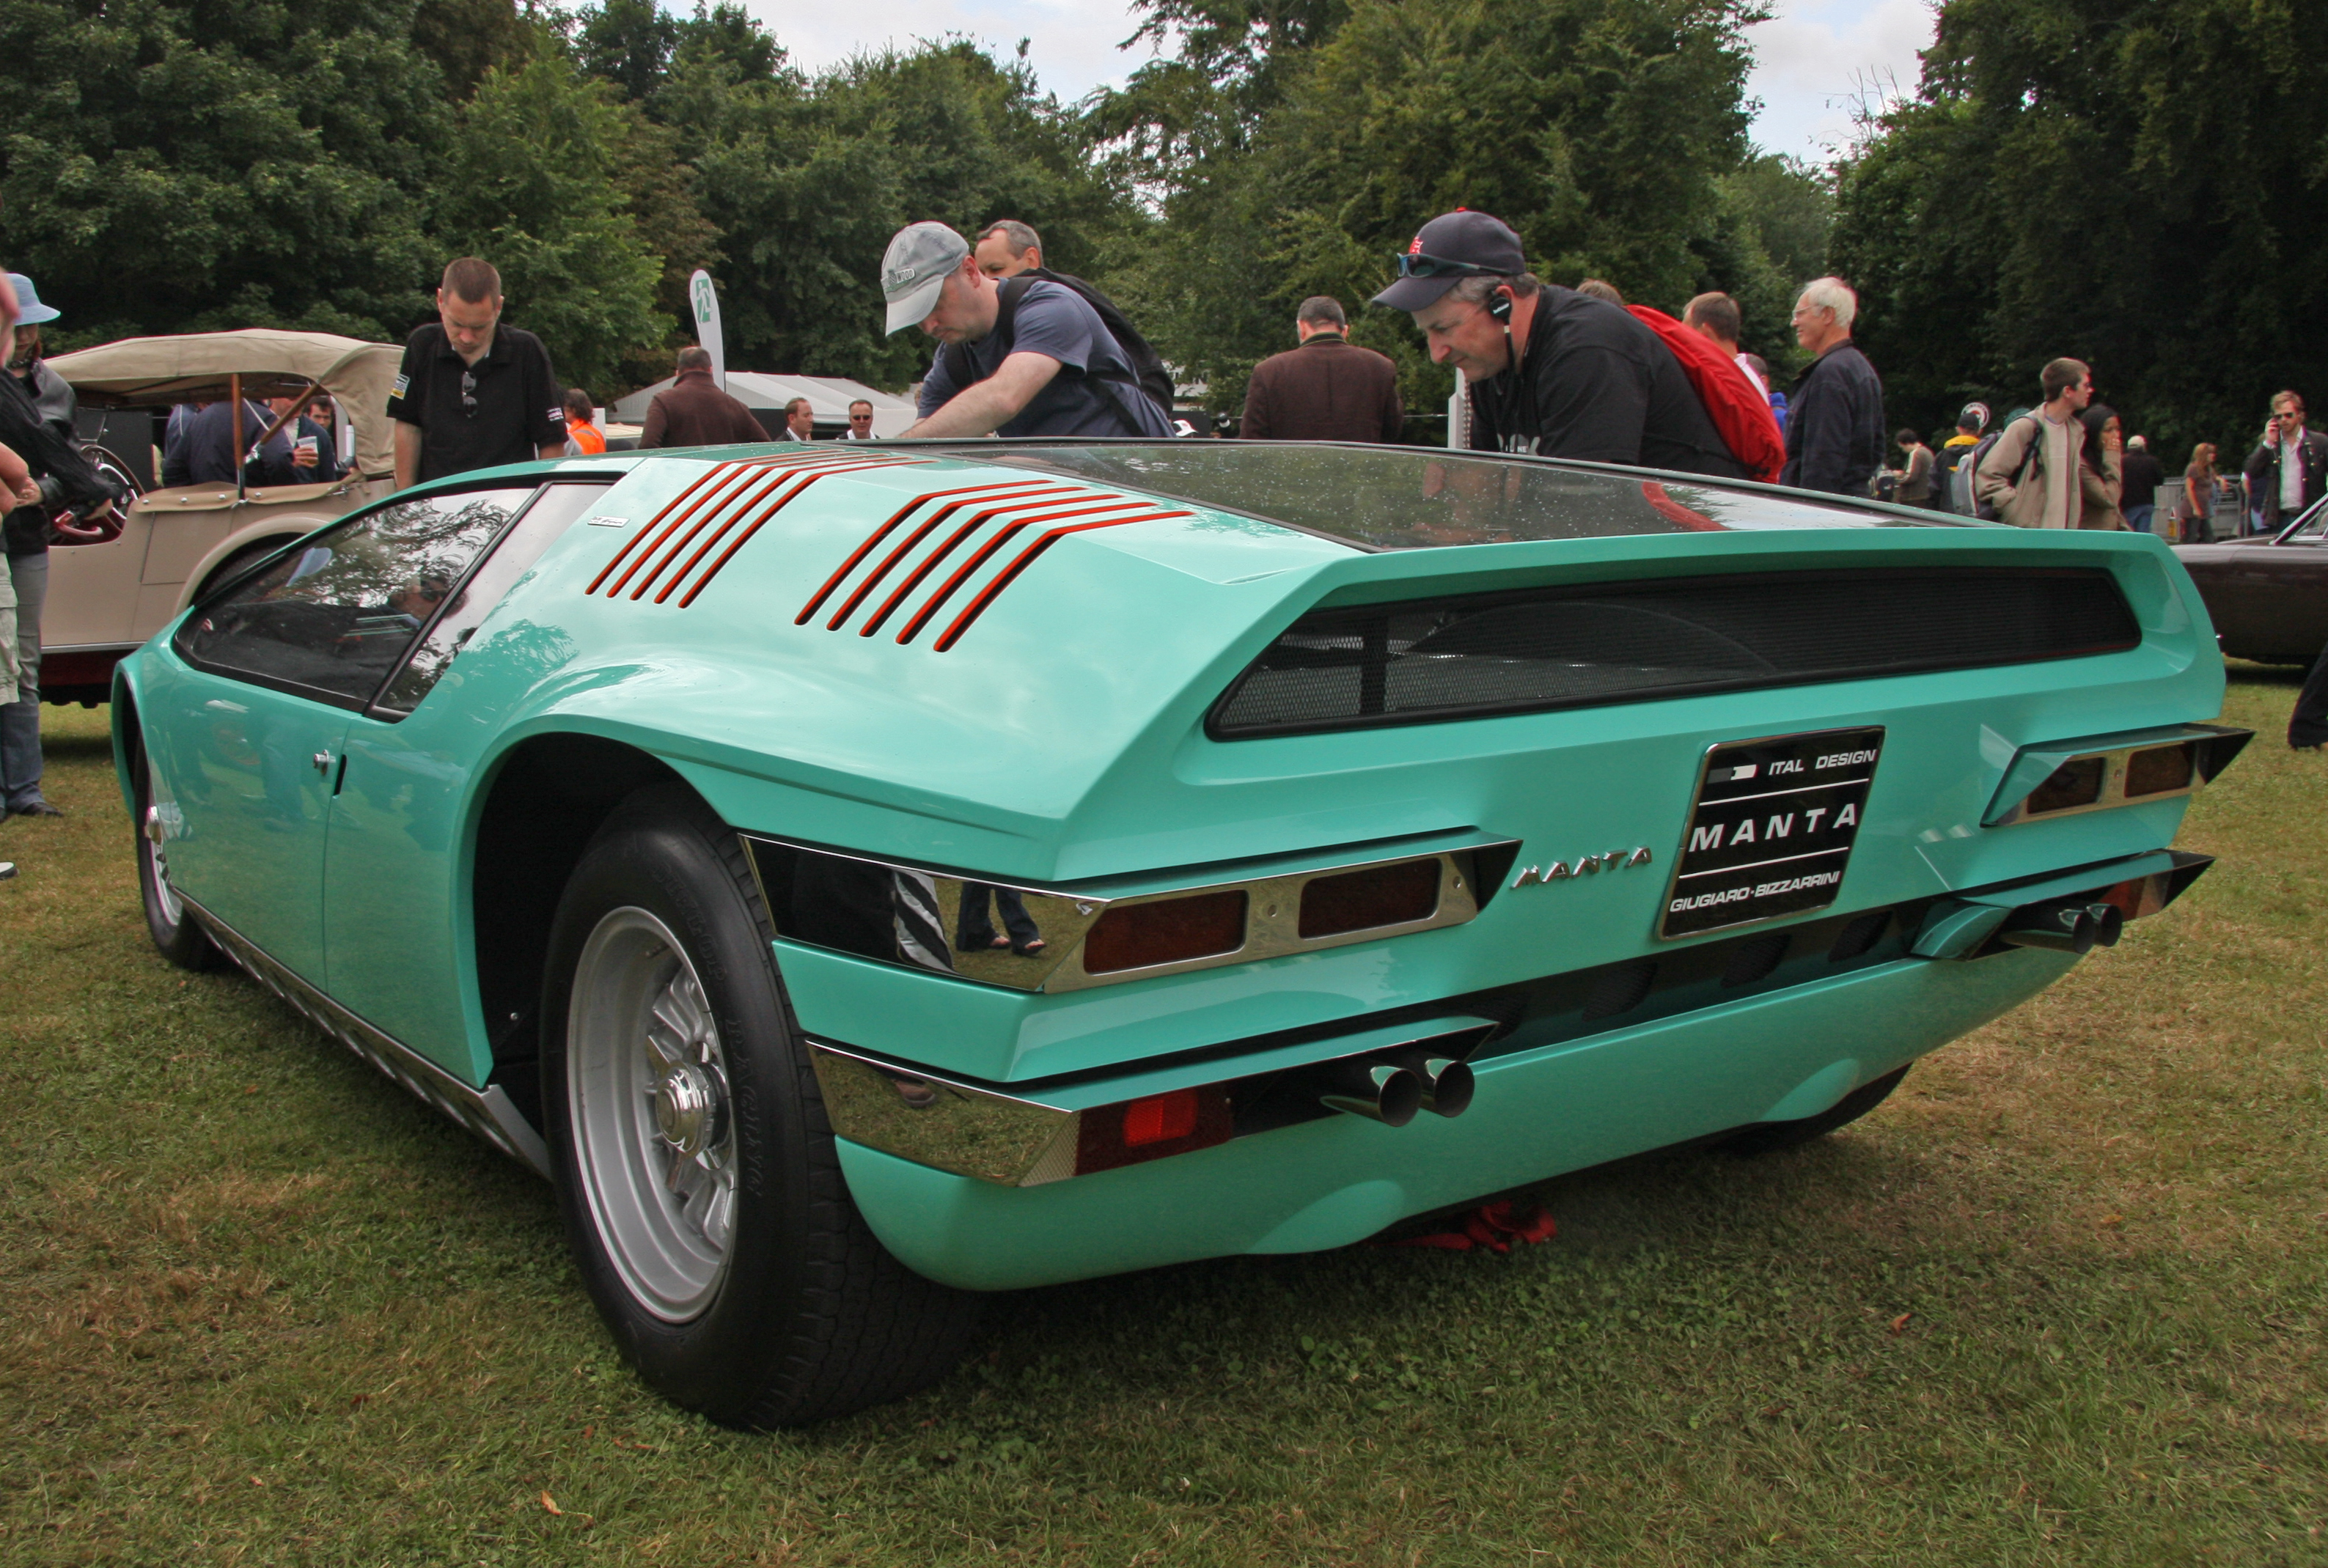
[1551, 371]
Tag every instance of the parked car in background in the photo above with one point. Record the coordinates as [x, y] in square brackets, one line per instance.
[110, 593]
[2268, 594]
[866, 877]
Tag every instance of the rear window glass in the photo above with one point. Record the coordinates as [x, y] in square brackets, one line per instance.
[1420, 497]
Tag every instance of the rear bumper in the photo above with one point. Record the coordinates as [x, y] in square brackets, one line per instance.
[1538, 1113]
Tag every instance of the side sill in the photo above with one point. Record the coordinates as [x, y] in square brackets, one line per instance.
[488, 1112]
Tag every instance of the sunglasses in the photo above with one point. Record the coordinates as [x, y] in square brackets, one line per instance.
[468, 394]
[1411, 265]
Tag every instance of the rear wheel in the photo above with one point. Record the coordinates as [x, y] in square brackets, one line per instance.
[702, 1195]
[176, 934]
[1767, 1137]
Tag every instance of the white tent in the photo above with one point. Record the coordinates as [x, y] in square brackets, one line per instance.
[766, 395]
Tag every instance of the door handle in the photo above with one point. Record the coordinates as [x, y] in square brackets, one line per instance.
[323, 760]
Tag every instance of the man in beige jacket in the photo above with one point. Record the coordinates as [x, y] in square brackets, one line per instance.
[2030, 477]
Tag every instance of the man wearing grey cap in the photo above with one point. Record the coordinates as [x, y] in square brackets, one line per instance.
[1551, 371]
[1045, 365]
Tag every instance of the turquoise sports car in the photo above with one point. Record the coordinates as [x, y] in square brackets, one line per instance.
[862, 878]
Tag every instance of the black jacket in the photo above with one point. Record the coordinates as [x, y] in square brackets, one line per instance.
[2263, 472]
[1835, 425]
[67, 479]
[1596, 384]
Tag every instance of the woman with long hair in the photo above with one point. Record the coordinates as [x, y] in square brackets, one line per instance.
[2198, 494]
[2100, 474]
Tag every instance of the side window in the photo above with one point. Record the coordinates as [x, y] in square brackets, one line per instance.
[543, 522]
[331, 618]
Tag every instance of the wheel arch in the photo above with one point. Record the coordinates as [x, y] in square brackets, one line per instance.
[549, 794]
[125, 739]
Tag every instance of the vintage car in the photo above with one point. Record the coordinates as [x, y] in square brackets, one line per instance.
[109, 593]
[2268, 594]
[862, 878]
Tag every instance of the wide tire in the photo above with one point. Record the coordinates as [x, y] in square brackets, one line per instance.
[177, 933]
[1767, 1137]
[702, 1194]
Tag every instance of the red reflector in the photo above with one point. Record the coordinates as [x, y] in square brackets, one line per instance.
[1160, 1117]
[1143, 936]
[1377, 895]
[1113, 1136]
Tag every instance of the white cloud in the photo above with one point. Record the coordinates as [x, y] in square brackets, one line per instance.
[1813, 57]
[1808, 59]
[1073, 47]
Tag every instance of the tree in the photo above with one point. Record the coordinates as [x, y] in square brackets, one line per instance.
[531, 186]
[808, 181]
[172, 165]
[2134, 182]
[1598, 128]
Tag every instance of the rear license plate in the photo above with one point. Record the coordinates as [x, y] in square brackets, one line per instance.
[1771, 829]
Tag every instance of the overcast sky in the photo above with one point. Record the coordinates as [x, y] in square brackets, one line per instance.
[1808, 59]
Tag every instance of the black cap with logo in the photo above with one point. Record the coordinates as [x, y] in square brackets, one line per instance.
[1453, 247]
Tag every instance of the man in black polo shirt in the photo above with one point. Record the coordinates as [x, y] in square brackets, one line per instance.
[471, 392]
[1551, 371]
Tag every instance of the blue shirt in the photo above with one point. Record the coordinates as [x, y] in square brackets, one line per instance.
[1054, 320]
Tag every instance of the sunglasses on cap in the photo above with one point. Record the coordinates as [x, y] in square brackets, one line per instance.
[1413, 266]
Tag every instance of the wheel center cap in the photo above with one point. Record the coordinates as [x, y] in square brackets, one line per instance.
[687, 1110]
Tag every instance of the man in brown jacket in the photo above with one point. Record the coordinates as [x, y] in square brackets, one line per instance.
[693, 412]
[1328, 390]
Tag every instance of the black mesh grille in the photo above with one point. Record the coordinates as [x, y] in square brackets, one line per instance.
[1528, 651]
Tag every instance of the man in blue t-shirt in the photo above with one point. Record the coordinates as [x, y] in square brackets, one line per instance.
[1039, 363]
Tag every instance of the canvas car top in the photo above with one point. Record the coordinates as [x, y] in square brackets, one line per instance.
[189, 367]
[1416, 498]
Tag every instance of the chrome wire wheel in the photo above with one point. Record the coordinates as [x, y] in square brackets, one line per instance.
[653, 1129]
[155, 831]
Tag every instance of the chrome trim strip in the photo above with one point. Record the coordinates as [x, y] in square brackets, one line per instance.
[488, 1112]
[935, 1122]
[923, 911]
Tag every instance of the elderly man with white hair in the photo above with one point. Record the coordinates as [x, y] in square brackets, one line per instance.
[1834, 415]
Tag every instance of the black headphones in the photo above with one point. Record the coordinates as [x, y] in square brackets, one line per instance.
[1499, 305]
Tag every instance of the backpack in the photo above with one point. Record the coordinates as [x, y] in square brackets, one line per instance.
[1147, 365]
[1741, 415]
[1962, 498]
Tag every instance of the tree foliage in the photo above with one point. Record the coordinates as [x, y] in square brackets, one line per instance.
[174, 165]
[170, 165]
[2132, 182]
[530, 183]
[1297, 148]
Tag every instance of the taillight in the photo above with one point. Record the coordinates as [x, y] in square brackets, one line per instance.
[2160, 769]
[1167, 930]
[2075, 782]
[1177, 1122]
[1393, 895]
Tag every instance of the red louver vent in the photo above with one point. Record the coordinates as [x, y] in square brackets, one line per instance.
[936, 528]
[719, 511]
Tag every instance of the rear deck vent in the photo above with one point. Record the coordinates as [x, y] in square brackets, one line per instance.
[713, 518]
[1531, 650]
[948, 538]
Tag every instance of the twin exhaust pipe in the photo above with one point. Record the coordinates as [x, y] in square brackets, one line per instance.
[1391, 1086]
[2066, 927]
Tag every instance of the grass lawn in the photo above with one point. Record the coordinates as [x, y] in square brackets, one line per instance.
[2060, 1301]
